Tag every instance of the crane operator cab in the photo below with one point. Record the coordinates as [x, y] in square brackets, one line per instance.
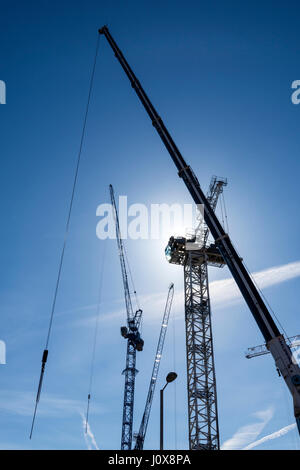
[175, 251]
[178, 248]
[134, 336]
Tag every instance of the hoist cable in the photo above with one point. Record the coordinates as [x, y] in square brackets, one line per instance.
[222, 214]
[249, 272]
[225, 212]
[267, 302]
[45, 353]
[251, 275]
[95, 338]
[131, 280]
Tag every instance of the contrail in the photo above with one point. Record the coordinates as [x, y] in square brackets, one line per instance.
[222, 292]
[87, 432]
[274, 435]
[249, 432]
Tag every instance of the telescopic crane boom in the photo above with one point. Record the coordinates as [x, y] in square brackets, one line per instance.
[160, 346]
[275, 341]
[134, 340]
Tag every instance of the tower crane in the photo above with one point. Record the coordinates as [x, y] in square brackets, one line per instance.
[195, 255]
[274, 339]
[144, 423]
[261, 350]
[134, 340]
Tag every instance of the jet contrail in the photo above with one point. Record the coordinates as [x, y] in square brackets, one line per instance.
[274, 435]
[88, 433]
[249, 432]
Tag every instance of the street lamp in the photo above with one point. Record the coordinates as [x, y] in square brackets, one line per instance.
[170, 378]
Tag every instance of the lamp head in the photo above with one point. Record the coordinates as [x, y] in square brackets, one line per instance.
[171, 377]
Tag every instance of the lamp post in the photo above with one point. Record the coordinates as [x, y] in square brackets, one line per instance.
[170, 378]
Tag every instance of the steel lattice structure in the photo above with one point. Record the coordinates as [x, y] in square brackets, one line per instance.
[195, 255]
[134, 341]
[140, 438]
[262, 349]
[202, 394]
[128, 403]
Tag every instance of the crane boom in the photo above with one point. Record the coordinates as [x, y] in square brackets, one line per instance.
[275, 341]
[134, 341]
[128, 302]
[145, 419]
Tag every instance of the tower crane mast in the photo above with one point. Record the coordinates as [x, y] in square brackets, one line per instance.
[275, 341]
[195, 255]
[134, 340]
[145, 419]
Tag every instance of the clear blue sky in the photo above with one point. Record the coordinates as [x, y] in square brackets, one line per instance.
[220, 75]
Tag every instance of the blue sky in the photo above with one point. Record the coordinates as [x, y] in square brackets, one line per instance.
[220, 75]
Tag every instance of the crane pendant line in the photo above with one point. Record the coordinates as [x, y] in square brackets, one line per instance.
[276, 343]
[45, 352]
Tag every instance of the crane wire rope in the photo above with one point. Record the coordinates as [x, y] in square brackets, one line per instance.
[98, 310]
[45, 353]
[138, 307]
[222, 214]
[223, 210]
[131, 279]
[267, 302]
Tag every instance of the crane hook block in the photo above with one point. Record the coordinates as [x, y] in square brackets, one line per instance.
[45, 356]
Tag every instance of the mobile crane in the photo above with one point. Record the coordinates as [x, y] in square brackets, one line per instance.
[134, 340]
[274, 339]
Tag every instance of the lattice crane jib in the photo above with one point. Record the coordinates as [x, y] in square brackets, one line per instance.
[140, 438]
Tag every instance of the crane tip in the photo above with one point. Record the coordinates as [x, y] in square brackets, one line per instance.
[101, 30]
